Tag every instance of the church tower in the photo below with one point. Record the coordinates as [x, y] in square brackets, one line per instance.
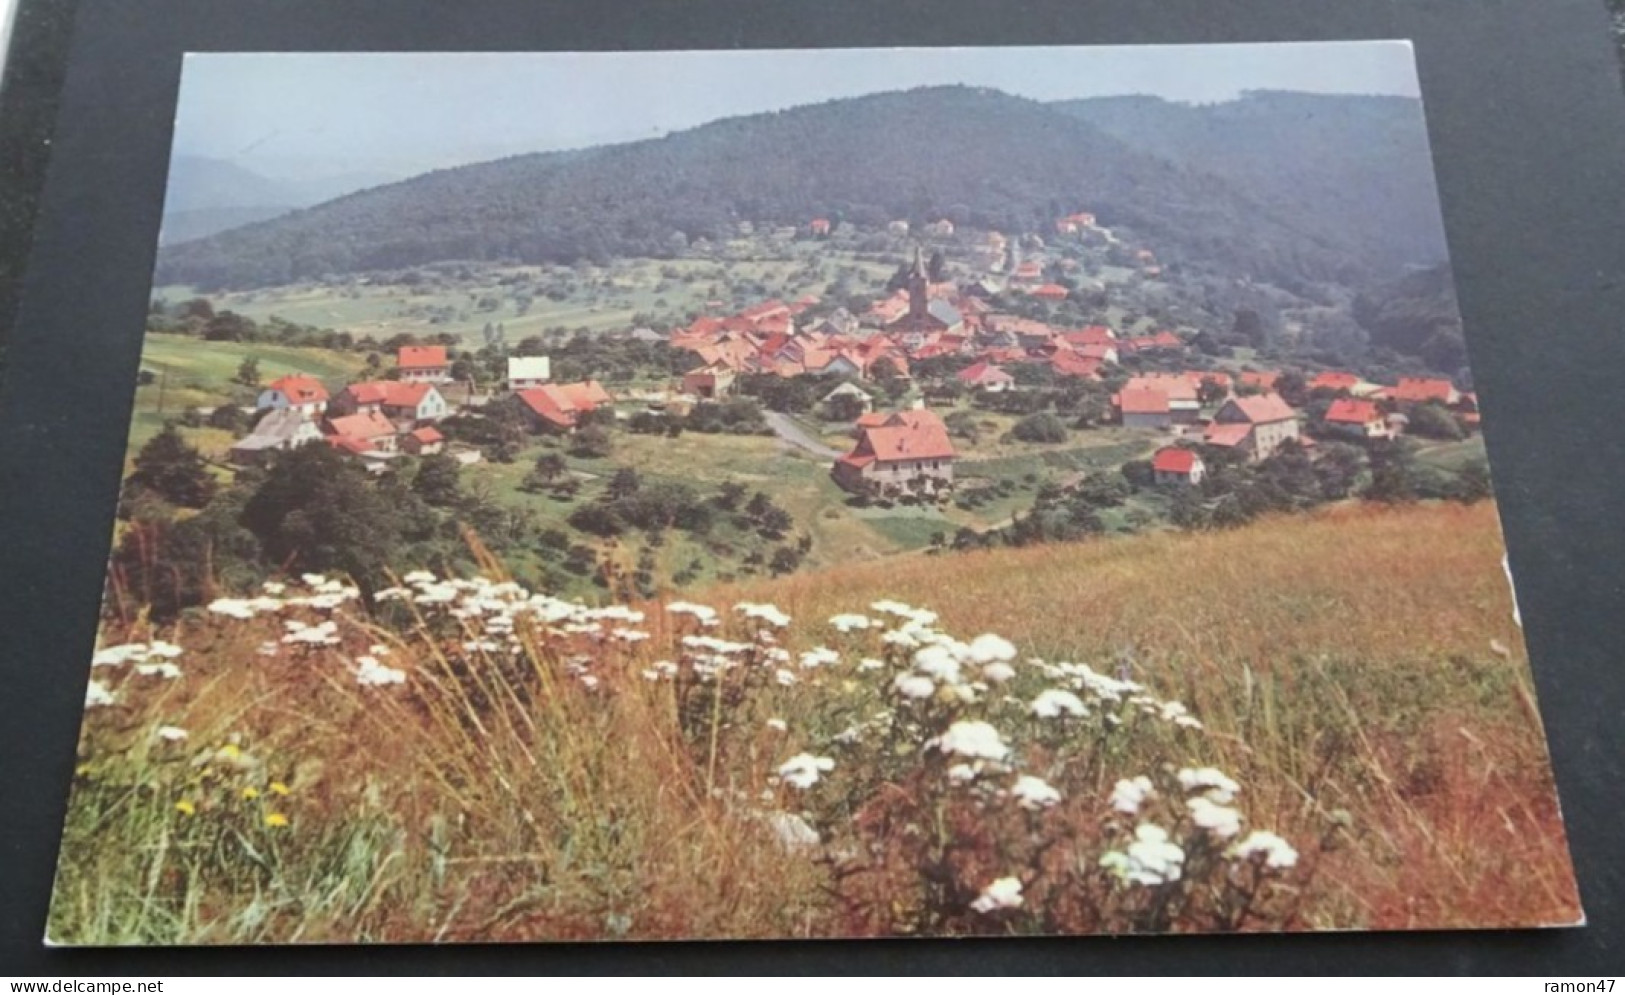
[918, 285]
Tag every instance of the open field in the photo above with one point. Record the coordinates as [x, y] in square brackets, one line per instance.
[1356, 670]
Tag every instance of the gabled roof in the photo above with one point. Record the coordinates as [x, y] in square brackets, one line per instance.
[1142, 402]
[1351, 411]
[906, 435]
[549, 404]
[299, 389]
[1420, 389]
[365, 425]
[428, 435]
[983, 372]
[1069, 364]
[393, 393]
[1172, 459]
[1333, 380]
[1261, 408]
[1227, 434]
[1262, 379]
[418, 357]
[1050, 290]
[279, 426]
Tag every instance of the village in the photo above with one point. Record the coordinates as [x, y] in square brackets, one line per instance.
[914, 356]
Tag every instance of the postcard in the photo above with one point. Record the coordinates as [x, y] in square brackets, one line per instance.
[793, 494]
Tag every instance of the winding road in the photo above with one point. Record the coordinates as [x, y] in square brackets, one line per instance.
[792, 434]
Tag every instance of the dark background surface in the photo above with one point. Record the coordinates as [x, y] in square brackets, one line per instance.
[1527, 120]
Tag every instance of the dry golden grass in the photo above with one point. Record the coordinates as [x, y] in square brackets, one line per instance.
[1342, 664]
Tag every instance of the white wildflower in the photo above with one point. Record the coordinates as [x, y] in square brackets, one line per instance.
[97, 695]
[988, 648]
[763, 613]
[869, 663]
[785, 678]
[1054, 702]
[962, 773]
[938, 662]
[703, 614]
[118, 656]
[166, 670]
[1220, 821]
[777, 725]
[913, 686]
[851, 623]
[167, 651]
[803, 769]
[792, 831]
[1276, 853]
[232, 608]
[1005, 893]
[370, 673]
[1034, 793]
[1151, 859]
[818, 657]
[1211, 782]
[1130, 793]
[973, 739]
[998, 673]
[171, 734]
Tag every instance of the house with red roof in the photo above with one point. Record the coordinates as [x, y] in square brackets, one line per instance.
[709, 382]
[1066, 363]
[1143, 407]
[1049, 292]
[1175, 465]
[907, 452]
[1158, 400]
[986, 376]
[369, 430]
[558, 407]
[424, 441]
[423, 364]
[818, 226]
[295, 392]
[1334, 380]
[1263, 380]
[1256, 425]
[396, 400]
[1358, 418]
[1421, 390]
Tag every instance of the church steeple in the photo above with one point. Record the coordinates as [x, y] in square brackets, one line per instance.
[918, 285]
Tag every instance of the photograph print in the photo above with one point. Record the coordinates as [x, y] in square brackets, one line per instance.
[804, 494]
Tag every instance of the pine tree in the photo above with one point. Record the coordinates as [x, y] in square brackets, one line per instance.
[169, 467]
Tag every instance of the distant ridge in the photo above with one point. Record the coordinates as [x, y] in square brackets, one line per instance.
[977, 155]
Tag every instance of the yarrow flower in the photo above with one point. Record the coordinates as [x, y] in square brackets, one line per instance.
[1034, 793]
[988, 648]
[973, 739]
[703, 614]
[1054, 702]
[97, 696]
[1130, 793]
[998, 673]
[803, 769]
[850, 623]
[1210, 781]
[170, 734]
[1220, 821]
[1005, 893]
[819, 657]
[913, 686]
[1151, 859]
[1274, 852]
[370, 673]
[938, 662]
[763, 613]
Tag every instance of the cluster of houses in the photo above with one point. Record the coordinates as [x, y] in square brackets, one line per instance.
[921, 320]
[378, 420]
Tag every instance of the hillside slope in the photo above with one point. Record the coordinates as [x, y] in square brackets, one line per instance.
[976, 156]
[1353, 168]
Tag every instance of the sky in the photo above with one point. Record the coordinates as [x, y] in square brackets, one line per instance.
[307, 116]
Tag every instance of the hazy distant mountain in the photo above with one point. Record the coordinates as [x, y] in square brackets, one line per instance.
[206, 195]
[1352, 168]
[975, 156]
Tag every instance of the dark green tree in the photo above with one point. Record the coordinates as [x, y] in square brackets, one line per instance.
[169, 467]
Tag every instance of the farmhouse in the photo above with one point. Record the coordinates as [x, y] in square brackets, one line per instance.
[1256, 425]
[367, 429]
[558, 407]
[1420, 390]
[281, 428]
[908, 451]
[1358, 418]
[709, 382]
[423, 364]
[425, 441]
[986, 376]
[529, 371]
[394, 399]
[296, 392]
[1172, 465]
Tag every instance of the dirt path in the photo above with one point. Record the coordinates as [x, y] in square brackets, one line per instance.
[791, 433]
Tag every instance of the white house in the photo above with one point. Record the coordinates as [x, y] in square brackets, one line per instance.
[525, 372]
[295, 392]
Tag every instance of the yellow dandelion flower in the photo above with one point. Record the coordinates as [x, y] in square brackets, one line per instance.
[230, 751]
[250, 793]
[278, 788]
[275, 820]
[185, 807]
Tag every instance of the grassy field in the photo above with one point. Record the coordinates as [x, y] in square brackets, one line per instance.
[1356, 671]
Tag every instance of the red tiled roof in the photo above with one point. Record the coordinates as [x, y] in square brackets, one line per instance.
[1333, 380]
[983, 372]
[393, 393]
[901, 442]
[1350, 411]
[366, 425]
[548, 403]
[1227, 435]
[1262, 408]
[1261, 379]
[1070, 364]
[1050, 291]
[299, 389]
[418, 357]
[1142, 402]
[1420, 389]
[349, 443]
[428, 436]
[1172, 459]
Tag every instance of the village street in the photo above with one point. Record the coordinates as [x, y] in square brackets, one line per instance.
[789, 432]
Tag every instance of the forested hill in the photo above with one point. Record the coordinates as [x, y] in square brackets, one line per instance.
[1353, 168]
[973, 155]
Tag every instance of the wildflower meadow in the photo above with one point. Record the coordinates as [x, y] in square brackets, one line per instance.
[1318, 722]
